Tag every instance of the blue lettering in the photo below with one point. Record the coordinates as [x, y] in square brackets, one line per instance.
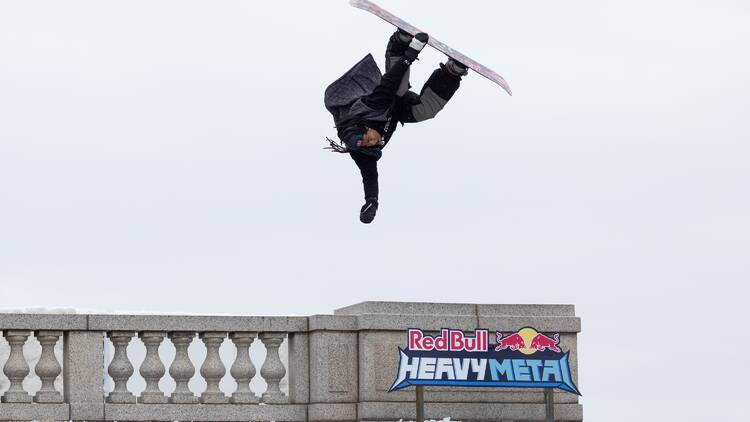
[534, 364]
[521, 370]
[551, 370]
[497, 369]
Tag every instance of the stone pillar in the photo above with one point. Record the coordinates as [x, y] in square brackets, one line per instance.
[334, 370]
[16, 368]
[243, 369]
[83, 374]
[152, 369]
[382, 326]
[213, 369]
[48, 368]
[120, 369]
[299, 368]
[273, 369]
[182, 369]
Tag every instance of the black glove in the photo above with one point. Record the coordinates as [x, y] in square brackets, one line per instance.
[416, 45]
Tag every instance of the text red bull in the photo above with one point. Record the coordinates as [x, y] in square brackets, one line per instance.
[449, 340]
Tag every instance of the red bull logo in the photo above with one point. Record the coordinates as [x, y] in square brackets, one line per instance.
[527, 341]
[452, 358]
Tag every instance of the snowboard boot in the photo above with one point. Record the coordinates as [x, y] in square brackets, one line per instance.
[456, 68]
[415, 46]
[397, 45]
[367, 213]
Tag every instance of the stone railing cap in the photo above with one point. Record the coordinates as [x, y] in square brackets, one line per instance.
[377, 322]
[542, 323]
[332, 323]
[48, 321]
[197, 323]
[525, 310]
[459, 309]
[408, 308]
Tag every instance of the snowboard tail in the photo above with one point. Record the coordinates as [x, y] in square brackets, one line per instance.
[389, 17]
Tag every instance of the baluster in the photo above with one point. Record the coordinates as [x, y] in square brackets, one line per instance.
[243, 369]
[16, 368]
[273, 369]
[120, 369]
[213, 369]
[48, 368]
[152, 369]
[182, 369]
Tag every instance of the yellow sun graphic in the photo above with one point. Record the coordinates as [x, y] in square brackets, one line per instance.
[527, 334]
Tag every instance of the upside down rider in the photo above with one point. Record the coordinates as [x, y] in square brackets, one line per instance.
[367, 107]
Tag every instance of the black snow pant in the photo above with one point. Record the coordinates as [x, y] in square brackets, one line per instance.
[368, 167]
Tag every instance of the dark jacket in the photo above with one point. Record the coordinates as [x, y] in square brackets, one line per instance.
[344, 98]
[364, 98]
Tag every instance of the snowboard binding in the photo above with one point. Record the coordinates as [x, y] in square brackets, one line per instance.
[456, 68]
[415, 47]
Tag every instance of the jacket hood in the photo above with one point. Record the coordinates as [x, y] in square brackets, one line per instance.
[359, 81]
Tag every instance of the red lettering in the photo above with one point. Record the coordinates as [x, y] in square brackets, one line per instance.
[471, 344]
[441, 343]
[457, 340]
[415, 336]
[454, 340]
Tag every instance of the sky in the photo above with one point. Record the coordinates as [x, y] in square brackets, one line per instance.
[166, 157]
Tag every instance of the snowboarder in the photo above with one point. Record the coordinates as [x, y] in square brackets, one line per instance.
[367, 106]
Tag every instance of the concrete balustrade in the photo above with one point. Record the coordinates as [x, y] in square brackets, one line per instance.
[243, 369]
[182, 368]
[152, 368]
[48, 368]
[120, 368]
[339, 366]
[16, 368]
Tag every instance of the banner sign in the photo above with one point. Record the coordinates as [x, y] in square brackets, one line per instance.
[526, 358]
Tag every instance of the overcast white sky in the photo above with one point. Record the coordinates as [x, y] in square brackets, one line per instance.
[165, 156]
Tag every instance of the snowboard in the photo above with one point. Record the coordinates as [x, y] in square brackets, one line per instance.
[445, 49]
